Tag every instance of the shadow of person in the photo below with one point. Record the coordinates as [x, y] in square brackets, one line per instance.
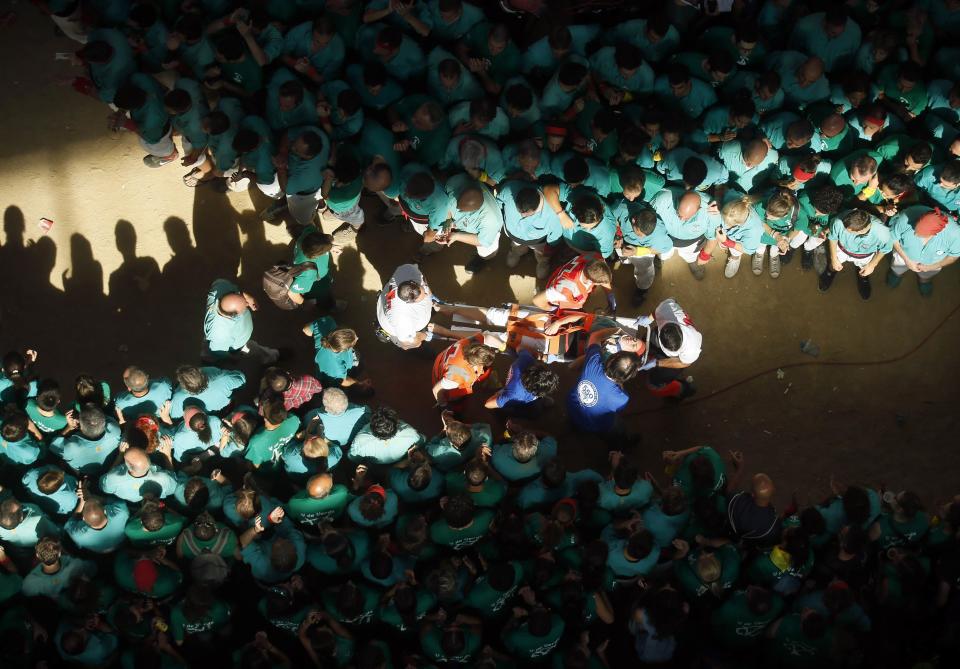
[83, 280]
[215, 231]
[134, 282]
[180, 272]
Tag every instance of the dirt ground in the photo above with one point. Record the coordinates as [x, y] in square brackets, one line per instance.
[122, 278]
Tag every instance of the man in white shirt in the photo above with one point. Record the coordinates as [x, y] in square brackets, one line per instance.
[675, 345]
[404, 308]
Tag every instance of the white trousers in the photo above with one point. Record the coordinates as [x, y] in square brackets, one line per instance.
[899, 267]
[303, 207]
[689, 253]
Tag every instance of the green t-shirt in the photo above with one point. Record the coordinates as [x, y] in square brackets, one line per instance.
[166, 535]
[265, 445]
[426, 601]
[367, 614]
[430, 641]
[488, 497]
[215, 618]
[525, 646]
[223, 543]
[313, 282]
[790, 648]
[459, 539]
[736, 627]
[168, 579]
[46, 424]
[693, 586]
[333, 366]
[305, 509]
[684, 478]
[489, 602]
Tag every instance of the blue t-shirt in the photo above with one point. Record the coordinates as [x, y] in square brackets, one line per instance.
[513, 393]
[594, 402]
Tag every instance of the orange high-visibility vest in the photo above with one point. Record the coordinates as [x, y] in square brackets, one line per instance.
[570, 280]
[452, 364]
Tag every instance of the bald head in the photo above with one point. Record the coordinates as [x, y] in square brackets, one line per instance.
[94, 515]
[470, 199]
[319, 486]
[233, 304]
[137, 461]
[832, 125]
[810, 71]
[689, 205]
[762, 489]
[754, 152]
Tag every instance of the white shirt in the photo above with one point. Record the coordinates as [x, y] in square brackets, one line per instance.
[669, 311]
[402, 319]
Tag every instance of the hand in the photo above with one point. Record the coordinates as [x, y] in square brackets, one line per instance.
[614, 96]
[615, 457]
[551, 329]
[40, 634]
[713, 207]
[682, 548]
[260, 640]
[736, 459]
[836, 265]
[671, 457]
[486, 453]
[463, 127]
[276, 516]
[867, 269]
[123, 446]
[30, 355]
[302, 65]
[217, 475]
[165, 411]
[324, 109]
[158, 553]
[528, 595]
[73, 422]
[401, 146]
[721, 236]
[477, 65]
[79, 492]
[251, 301]
[258, 524]
[166, 445]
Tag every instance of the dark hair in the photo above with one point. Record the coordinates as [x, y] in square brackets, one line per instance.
[89, 390]
[349, 599]
[313, 143]
[920, 152]
[640, 544]
[384, 422]
[273, 410]
[898, 182]
[571, 73]
[539, 380]
[539, 622]
[576, 170]
[671, 335]
[419, 477]
[519, 97]
[855, 540]
[95, 52]
[483, 109]
[604, 120]
[625, 475]
[449, 67]
[144, 14]
[218, 122]
[231, 45]
[191, 26]
[48, 394]
[526, 199]
[702, 473]
[677, 73]
[588, 208]
[951, 171]
[627, 56]
[200, 423]
[812, 521]
[245, 140]
[559, 38]
[349, 102]
[420, 186]
[372, 505]
[405, 602]
[409, 291]
[389, 37]
[813, 625]
[827, 199]
[452, 641]
[838, 598]
[721, 61]
[374, 73]
[501, 576]
[694, 171]
[475, 472]
[759, 600]
[459, 510]
[315, 244]
[835, 15]
[553, 473]
[291, 89]
[621, 367]
[381, 564]
[665, 610]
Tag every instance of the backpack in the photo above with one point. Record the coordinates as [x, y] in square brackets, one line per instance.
[278, 279]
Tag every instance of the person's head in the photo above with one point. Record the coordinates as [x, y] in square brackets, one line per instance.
[767, 85]
[459, 510]
[50, 481]
[518, 99]
[759, 599]
[88, 390]
[137, 461]
[604, 123]
[908, 76]
[553, 473]
[48, 395]
[621, 367]
[702, 473]
[419, 186]
[896, 185]
[527, 201]
[419, 476]
[387, 42]
[136, 380]
[316, 244]
[688, 205]
[812, 521]
[274, 412]
[196, 494]
[427, 116]
[809, 72]
[340, 340]
[307, 145]
[129, 97]
[838, 597]
[673, 502]
[625, 475]
[93, 514]
[177, 101]
[191, 26]
[856, 221]
[658, 26]
[588, 209]
[812, 624]
[384, 423]
[950, 175]
[482, 112]
[290, 95]
[560, 41]
[524, 447]
[449, 73]
[323, 31]
[539, 622]
[458, 433]
[834, 20]
[873, 118]
[780, 205]
[719, 64]
[827, 199]
[599, 272]
[374, 77]
[762, 489]
[528, 156]
[917, 156]
[498, 39]
[93, 422]
[639, 545]
[799, 133]
[742, 111]
[539, 380]
[11, 513]
[151, 516]
[283, 555]
[192, 379]
[628, 59]
[231, 47]
[862, 169]
[315, 448]
[319, 485]
[736, 212]
[48, 551]
[198, 421]
[678, 76]
[479, 355]
[247, 504]
[571, 75]
[632, 181]
[754, 152]
[746, 35]
[796, 543]
[377, 177]
[348, 103]
[470, 198]
[475, 472]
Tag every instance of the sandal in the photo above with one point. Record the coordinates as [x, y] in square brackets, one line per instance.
[191, 180]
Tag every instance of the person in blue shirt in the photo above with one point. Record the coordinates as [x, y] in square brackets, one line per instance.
[924, 241]
[642, 237]
[633, 556]
[680, 91]
[54, 490]
[375, 509]
[335, 354]
[228, 323]
[740, 232]
[88, 450]
[197, 432]
[18, 448]
[476, 220]
[375, 87]
[98, 525]
[529, 385]
[341, 420]
[398, 52]
[144, 395]
[941, 183]
[861, 239]
[448, 81]
[208, 387]
[136, 477]
[596, 400]
[273, 548]
[315, 49]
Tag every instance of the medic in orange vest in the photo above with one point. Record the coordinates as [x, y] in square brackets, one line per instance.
[571, 284]
[461, 365]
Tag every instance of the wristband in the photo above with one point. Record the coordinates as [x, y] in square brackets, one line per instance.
[729, 243]
[704, 256]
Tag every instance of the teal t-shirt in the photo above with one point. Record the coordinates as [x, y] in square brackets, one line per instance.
[265, 445]
[333, 366]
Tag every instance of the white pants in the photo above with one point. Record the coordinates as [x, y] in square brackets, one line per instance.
[899, 267]
[353, 216]
[774, 250]
[303, 207]
[162, 147]
[72, 26]
[236, 186]
[688, 253]
[188, 149]
[808, 243]
[859, 262]
[271, 190]
[735, 253]
[491, 250]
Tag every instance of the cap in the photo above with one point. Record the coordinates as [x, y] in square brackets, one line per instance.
[145, 575]
[801, 174]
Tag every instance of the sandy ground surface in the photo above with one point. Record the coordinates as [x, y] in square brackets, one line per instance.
[122, 277]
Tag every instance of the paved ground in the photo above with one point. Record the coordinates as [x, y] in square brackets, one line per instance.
[121, 279]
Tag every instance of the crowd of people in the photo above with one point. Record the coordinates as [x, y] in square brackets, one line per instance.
[183, 521]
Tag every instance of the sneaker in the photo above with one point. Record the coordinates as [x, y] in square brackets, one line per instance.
[475, 265]
[639, 295]
[925, 288]
[806, 260]
[774, 267]
[757, 264]
[820, 259]
[697, 270]
[158, 161]
[893, 279]
[785, 258]
[863, 287]
[732, 267]
[274, 211]
[826, 280]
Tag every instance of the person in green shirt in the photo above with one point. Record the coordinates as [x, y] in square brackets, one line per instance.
[314, 283]
[905, 524]
[699, 471]
[785, 566]
[622, 492]
[421, 128]
[43, 409]
[405, 604]
[456, 642]
[800, 640]
[375, 508]
[352, 603]
[207, 536]
[478, 480]
[335, 355]
[706, 571]
[342, 185]
[490, 54]
[457, 443]
[315, 49]
[54, 571]
[375, 87]
[323, 638]
[340, 418]
[448, 81]
[321, 501]
[533, 635]
[740, 621]
[155, 577]
[200, 615]
[153, 526]
[88, 647]
[140, 101]
[339, 551]
[493, 590]
[279, 427]
[414, 480]
[461, 525]
[237, 71]
[902, 89]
